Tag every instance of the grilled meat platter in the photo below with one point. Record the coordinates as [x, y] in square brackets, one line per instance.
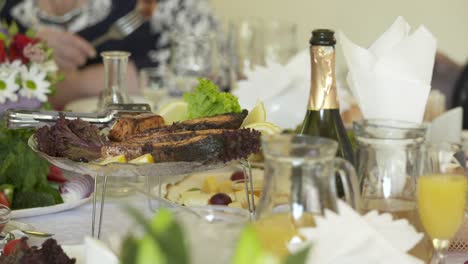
[209, 139]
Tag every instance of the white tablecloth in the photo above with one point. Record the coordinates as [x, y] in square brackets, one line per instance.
[70, 227]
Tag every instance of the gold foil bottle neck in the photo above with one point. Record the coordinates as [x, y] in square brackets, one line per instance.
[322, 83]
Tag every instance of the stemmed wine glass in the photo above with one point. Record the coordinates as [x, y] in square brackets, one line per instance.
[442, 191]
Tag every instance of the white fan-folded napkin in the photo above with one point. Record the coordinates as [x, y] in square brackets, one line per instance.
[391, 79]
[284, 89]
[446, 127]
[348, 237]
[96, 252]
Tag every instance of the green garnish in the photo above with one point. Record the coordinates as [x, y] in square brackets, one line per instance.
[24, 170]
[207, 100]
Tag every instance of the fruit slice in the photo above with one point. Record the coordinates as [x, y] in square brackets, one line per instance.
[210, 185]
[143, 159]
[256, 115]
[173, 111]
[115, 159]
[266, 128]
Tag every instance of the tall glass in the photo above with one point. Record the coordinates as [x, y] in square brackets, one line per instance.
[299, 183]
[153, 87]
[442, 193]
[389, 161]
[115, 86]
[194, 56]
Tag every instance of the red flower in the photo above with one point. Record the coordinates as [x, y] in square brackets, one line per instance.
[17, 46]
[3, 54]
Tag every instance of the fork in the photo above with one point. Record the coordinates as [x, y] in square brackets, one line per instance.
[121, 28]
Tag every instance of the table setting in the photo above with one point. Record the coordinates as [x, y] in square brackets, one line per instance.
[209, 167]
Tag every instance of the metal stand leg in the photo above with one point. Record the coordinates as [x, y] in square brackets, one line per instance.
[94, 207]
[249, 188]
[148, 191]
[103, 195]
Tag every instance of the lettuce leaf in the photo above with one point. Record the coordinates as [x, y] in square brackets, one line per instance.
[24, 169]
[207, 100]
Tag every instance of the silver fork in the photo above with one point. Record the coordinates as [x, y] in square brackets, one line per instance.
[121, 28]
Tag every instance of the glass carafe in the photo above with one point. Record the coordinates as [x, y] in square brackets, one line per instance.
[299, 183]
[115, 86]
[390, 158]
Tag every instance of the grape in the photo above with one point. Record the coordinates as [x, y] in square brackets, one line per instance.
[220, 199]
[237, 176]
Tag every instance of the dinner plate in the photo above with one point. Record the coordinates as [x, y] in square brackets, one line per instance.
[77, 252]
[48, 209]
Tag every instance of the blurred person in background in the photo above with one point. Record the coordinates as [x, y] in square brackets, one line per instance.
[69, 27]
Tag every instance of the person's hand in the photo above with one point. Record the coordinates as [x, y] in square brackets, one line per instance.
[70, 50]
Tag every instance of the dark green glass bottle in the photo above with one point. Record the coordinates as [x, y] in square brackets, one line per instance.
[323, 117]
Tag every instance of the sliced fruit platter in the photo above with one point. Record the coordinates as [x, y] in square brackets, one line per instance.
[218, 187]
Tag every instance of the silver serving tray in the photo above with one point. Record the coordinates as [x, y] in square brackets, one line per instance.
[125, 169]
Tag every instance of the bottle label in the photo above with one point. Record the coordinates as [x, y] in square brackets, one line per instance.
[323, 84]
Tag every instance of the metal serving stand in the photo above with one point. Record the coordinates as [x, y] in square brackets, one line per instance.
[34, 119]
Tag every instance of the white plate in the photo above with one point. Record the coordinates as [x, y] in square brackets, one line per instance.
[77, 252]
[89, 105]
[48, 209]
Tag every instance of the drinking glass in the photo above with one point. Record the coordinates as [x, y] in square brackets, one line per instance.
[194, 56]
[442, 191]
[389, 161]
[115, 86]
[299, 183]
[153, 87]
[255, 42]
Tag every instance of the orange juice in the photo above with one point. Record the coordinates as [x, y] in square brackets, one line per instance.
[276, 231]
[441, 204]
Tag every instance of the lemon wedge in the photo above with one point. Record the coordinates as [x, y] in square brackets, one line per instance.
[147, 158]
[173, 111]
[256, 115]
[115, 159]
[266, 128]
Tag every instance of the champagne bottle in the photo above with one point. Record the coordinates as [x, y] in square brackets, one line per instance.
[323, 115]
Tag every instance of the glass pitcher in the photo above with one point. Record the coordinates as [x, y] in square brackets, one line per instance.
[299, 183]
[390, 158]
[300, 176]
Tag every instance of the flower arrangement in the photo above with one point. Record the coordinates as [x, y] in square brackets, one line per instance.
[28, 73]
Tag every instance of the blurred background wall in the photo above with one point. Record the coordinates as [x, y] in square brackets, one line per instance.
[361, 20]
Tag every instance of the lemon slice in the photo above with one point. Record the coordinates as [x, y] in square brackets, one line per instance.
[115, 159]
[147, 158]
[266, 128]
[173, 111]
[256, 115]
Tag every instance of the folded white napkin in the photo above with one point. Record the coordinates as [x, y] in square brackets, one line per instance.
[348, 237]
[98, 253]
[284, 89]
[446, 127]
[391, 79]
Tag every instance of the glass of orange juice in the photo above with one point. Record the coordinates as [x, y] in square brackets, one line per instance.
[442, 191]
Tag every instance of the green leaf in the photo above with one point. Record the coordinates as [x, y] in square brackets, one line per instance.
[30, 33]
[249, 250]
[150, 252]
[13, 29]
[129, 250]
[164, 231]
[298, 258]
[19, 165]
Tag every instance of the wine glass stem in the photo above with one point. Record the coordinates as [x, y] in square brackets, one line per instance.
[440, 249]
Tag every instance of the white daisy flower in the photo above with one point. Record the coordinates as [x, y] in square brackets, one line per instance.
[34, 83]
[49, 66]
[8, 87]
